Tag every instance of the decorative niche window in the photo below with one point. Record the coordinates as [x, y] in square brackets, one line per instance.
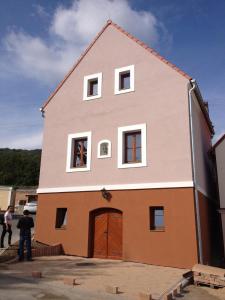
[157, 218]
[124, 80]
[92, 88]
[79, 152]
[104, 149]
[61, 218]
[132, 146]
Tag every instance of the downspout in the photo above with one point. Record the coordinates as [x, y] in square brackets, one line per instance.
[196, 198]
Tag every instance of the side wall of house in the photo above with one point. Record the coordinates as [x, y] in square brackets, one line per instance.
[203, 146]
[176, 246]
[220, 162]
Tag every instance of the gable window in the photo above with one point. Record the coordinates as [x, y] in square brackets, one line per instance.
[157, 218]
[92, 88]
[132, 146]
[124, 80]
[61, 218]
[78, 152]
[104, 149]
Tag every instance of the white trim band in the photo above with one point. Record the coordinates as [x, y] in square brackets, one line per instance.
[113, 187]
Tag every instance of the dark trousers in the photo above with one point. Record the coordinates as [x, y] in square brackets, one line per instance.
[23, 239]
[4, 231]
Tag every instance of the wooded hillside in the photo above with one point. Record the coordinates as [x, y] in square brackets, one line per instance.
[19, 167]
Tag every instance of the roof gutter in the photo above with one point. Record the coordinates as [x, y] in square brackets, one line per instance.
[196, 198]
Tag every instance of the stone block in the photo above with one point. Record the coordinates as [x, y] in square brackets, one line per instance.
[69, 281]
[112, 289]
[36, 274]
[145, 296]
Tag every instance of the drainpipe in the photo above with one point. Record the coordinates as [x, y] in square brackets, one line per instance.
[197, 210]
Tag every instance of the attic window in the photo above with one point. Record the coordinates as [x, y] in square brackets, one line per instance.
[92, 87]
[124, 80]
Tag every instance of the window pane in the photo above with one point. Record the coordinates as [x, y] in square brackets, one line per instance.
[93, 87]
[159, 221]
[129, 140]
[157, 218]
[138, 154]
[104, 149]
[61, 217]
[80, 153]
[124, 81]
[138, 139]
[129, 155]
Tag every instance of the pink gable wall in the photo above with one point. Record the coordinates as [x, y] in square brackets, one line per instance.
[160, 100]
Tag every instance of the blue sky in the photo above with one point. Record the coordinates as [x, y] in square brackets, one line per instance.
[41, 39]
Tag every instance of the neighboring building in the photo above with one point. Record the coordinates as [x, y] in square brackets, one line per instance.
[125, 171]
[6, 197]
[219, 149]
[25, 194]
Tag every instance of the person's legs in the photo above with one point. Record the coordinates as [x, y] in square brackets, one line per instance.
[21, 248]
[3, 235]
[28, 246]
[10, 234]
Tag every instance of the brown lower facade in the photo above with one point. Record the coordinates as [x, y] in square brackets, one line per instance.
[120, 227]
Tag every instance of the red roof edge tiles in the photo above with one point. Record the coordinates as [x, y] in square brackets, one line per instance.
[109, 22]
[219, 141]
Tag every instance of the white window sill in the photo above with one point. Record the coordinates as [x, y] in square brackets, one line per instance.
[104, 156]
[77, 170]
[134, 165]
[118, 92]
[92, 97]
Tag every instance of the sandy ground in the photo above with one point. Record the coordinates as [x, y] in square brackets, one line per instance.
[93, 275]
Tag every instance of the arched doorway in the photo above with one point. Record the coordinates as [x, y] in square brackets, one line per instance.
[106, 233]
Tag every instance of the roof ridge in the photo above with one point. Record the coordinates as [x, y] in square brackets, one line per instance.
[145, 46]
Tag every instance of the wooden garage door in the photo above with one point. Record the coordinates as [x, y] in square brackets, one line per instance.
[107, 234]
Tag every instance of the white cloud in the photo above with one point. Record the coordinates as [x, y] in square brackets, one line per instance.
[70, 31]
[25, 141]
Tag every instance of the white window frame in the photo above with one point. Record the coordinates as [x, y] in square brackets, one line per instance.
[70, 151]
[109, 149]
[121, 133]
[117, 80]
[85, 86]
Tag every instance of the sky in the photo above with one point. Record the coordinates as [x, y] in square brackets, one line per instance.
[40, 40]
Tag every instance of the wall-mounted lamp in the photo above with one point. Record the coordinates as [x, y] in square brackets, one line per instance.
[42, 112]
[105, 194]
